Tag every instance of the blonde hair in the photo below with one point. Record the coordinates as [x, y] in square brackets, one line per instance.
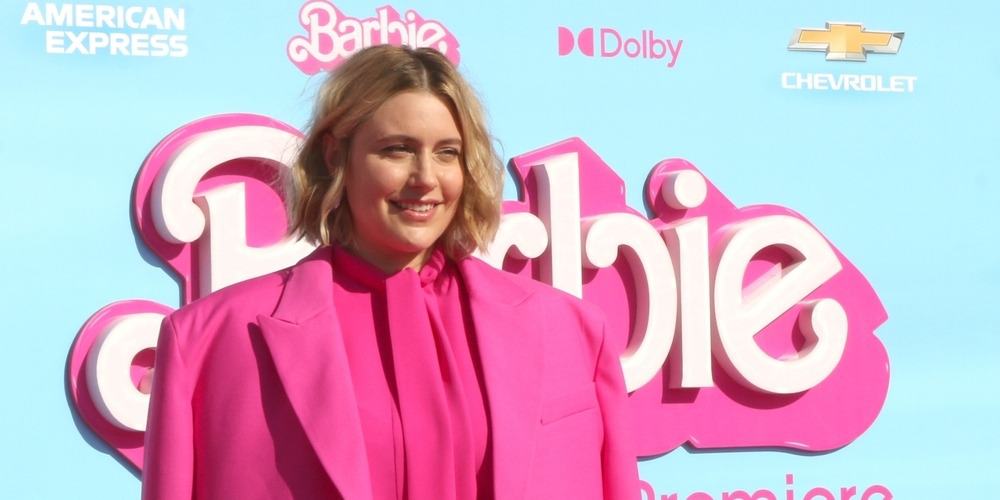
[318, 209]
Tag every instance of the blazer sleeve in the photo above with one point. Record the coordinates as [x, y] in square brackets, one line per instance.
[168, 463]
[618, 459]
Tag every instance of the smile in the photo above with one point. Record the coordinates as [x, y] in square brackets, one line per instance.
[419, 207]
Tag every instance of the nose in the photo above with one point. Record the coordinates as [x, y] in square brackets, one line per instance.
[422, 174]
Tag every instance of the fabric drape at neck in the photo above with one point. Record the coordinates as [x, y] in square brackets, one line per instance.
[431, 375]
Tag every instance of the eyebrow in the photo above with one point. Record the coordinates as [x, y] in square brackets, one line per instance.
[451, 141]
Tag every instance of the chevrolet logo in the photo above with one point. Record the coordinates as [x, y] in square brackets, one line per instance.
[846, 41]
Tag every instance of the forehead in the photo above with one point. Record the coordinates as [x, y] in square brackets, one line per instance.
[413, 113]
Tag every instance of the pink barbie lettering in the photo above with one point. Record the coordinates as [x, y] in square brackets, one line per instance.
[332, 36]
[739, 326]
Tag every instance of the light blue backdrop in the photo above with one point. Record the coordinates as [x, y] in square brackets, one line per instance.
[904, 184]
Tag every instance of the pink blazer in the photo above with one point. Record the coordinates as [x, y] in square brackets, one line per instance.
[252, 395]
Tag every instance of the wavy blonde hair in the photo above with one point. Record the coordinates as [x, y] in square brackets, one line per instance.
[351, 94]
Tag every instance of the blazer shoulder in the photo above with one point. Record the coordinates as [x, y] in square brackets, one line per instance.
[244, 299]
[237, 305]
[531, 290]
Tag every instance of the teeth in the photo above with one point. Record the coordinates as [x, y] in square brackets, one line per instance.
[416, 207]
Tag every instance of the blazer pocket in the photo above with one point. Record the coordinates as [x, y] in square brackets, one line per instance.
[569, 404]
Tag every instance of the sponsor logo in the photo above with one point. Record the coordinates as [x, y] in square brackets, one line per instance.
[739, 325]
[609, 43]
[847, 82]
[847, 42]
[104, 29]
[331, 37]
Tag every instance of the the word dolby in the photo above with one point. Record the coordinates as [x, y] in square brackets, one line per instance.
[611, 43]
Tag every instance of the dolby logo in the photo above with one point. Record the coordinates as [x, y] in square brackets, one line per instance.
[610, 43]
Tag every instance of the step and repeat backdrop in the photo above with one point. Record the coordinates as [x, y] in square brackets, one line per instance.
[787, 211]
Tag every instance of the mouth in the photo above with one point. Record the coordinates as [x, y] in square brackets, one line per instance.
[420, 207]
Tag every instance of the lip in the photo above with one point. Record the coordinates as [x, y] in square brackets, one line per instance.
[416, 210]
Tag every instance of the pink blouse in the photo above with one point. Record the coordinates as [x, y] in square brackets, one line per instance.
[412, 354]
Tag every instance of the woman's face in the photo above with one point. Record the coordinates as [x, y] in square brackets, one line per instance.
[404, 179]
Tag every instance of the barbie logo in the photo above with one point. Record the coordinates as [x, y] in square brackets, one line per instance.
[332, 37]
[740, 327]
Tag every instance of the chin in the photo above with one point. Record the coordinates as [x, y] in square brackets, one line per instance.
[416, 246]
[415, 240]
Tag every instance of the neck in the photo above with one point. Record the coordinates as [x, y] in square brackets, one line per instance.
[390, 263]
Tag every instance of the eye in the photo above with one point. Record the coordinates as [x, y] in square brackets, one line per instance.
[448, 154]
[395, 150]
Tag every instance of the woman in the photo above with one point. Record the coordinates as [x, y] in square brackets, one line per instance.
[389, 364]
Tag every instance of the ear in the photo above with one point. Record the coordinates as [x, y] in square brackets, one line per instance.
[335, 158]
[330, 150]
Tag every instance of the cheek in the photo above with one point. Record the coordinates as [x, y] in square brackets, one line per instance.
[452, 184]
[368, 185]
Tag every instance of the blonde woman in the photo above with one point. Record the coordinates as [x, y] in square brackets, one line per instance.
[390, 364]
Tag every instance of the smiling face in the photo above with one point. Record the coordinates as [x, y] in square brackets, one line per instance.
[404, 180]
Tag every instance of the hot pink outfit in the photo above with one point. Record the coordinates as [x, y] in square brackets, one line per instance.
[444, 451]
[292, 385]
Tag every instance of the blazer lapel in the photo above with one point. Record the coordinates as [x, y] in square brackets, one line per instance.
[304, 339]
[510, 349]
